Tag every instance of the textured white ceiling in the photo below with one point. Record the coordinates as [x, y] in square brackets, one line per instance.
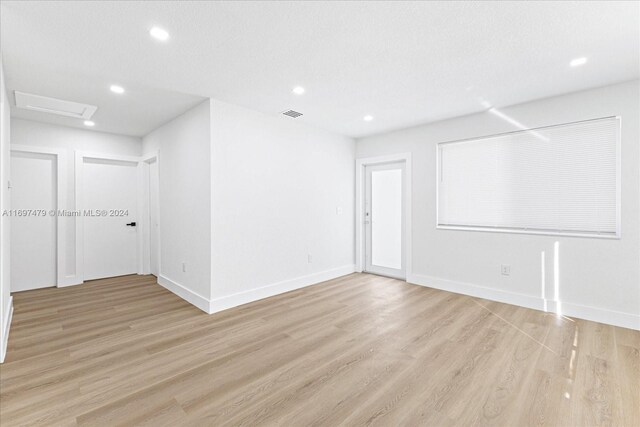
[137, 112]
[402, 62]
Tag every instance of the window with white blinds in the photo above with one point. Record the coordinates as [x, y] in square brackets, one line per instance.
[562, 179]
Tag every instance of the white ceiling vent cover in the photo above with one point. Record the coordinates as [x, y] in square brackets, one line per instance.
[292, 113]
[54, 106]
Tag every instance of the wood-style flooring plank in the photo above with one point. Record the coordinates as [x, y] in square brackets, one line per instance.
[357, 350]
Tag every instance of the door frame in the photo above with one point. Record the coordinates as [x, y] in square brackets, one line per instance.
[361, 163]
[145, 256]
[369, 266]
[60, 156]
[141, 193]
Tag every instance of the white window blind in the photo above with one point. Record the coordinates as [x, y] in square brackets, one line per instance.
[562, 179]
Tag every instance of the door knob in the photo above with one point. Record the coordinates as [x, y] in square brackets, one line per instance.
[131, 224]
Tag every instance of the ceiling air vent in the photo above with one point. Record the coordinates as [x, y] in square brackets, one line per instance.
[54, 106]
[292, 113]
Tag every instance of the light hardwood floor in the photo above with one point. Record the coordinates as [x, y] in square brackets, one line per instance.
[357, 350]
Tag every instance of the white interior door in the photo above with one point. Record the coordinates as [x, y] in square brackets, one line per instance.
[33, 234]
[384, 219]
[110, 231]
[154, 244]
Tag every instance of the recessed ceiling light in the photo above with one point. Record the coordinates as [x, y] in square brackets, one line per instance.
[89, 123]
[578, 62]
[116, 89]
[159, 33]
[298, 90]
[367, 118]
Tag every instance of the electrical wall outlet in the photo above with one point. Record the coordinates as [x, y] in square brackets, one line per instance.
[184, 267]
[309, 258]
[505, 269]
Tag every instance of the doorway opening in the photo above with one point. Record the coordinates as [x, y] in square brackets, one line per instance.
[34, 254]
[117, 232]
[151, 182]
[383, 215]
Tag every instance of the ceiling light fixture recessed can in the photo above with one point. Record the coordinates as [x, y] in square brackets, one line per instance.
[89, 123]
[298, 90]
[578, 62]
[116, 89]
[367, 118]
[159, 33]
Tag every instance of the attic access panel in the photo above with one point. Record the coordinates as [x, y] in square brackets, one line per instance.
[56, 106]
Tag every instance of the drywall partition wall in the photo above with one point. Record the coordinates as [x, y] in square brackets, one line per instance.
[6, 307]
[28, 132]
[66, 141]
[184, 167]
[282, 207]
[596, 279]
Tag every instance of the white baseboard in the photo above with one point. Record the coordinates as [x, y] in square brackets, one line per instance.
[6, 324]
[492, 294]
[69, 281]
[610, 317]
[186, 294]
[240, 298]
[616, 318]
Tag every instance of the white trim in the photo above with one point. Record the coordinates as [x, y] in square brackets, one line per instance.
[529, 301]
[526, 231]
[368, 266]
[148, 157]
[159, 217]
[141, 222]
[186, 294]
[619, 179]
[62, 279]
[240, 298]
[601, 315]
[360, 181]
[229, 301]
[5, 333]
[616, 318]
[144, 256]
[103, 156]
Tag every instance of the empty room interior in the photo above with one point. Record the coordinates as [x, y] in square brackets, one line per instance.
[320, 213]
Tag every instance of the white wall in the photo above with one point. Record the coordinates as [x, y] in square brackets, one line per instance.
[599, 279]
[185, 203]
[282, 191]
[69, 140]
[5, 203]
[27, 132]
